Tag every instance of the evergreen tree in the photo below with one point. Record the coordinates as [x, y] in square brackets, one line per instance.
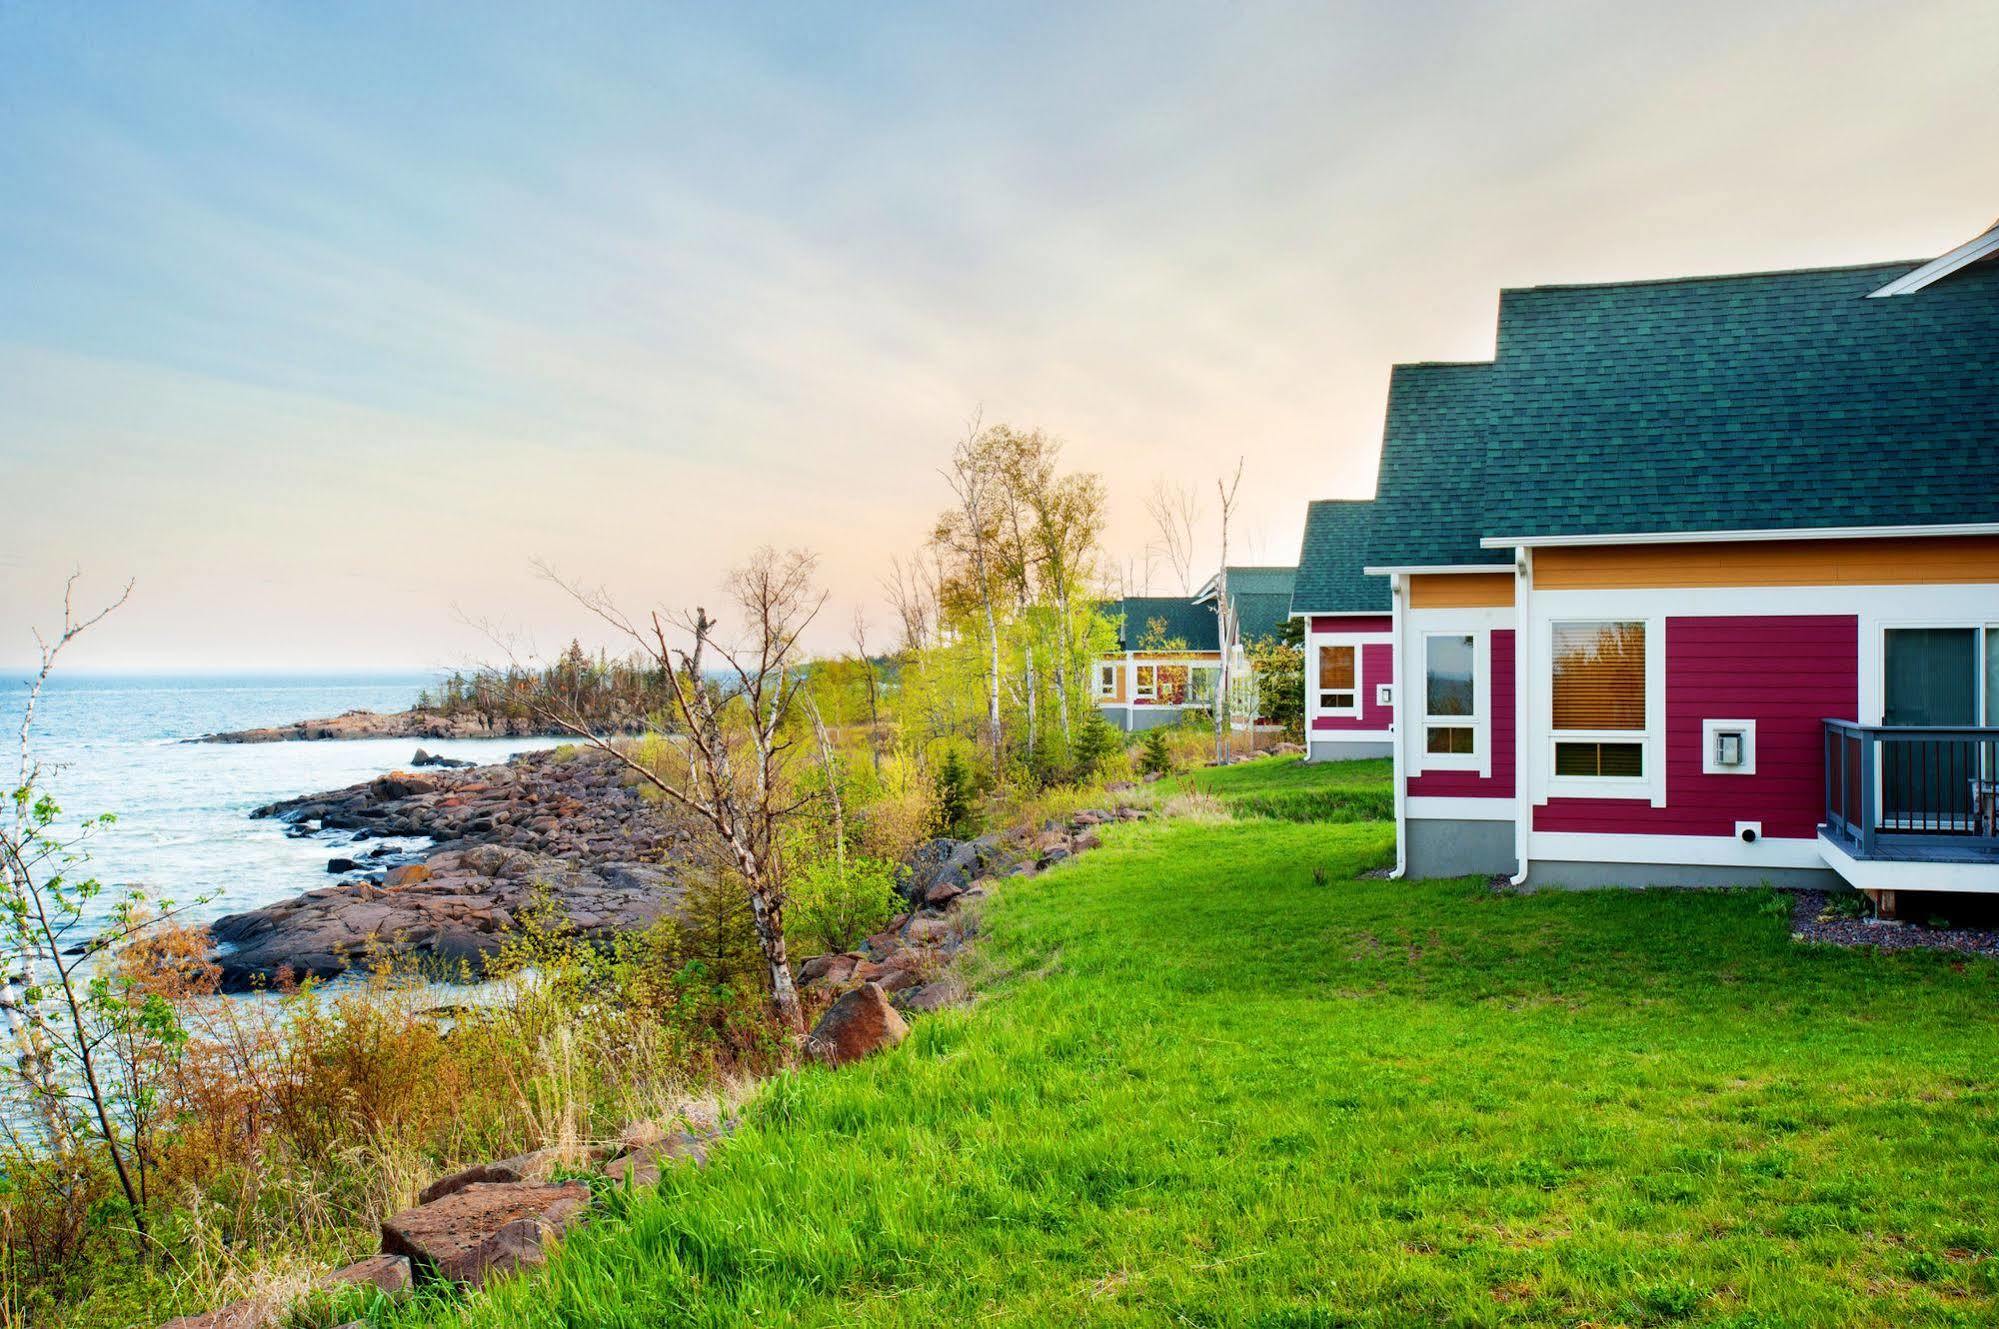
[954, 796]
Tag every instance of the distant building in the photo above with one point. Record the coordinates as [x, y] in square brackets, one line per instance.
[1168, 659]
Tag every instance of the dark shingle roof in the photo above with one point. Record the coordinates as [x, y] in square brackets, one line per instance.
[1335, 550]
[1261, 580]
[1431, 501]
[1260, 614]
[1777, 400]
[1781, 400]
[1179, 618]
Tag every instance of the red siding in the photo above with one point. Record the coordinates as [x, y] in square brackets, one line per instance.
[1377, 665]
[1468, 784]
[1785, 673]
[1358, 626]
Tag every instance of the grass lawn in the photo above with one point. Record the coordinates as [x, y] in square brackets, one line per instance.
[1203, 1090]
[1292, 790]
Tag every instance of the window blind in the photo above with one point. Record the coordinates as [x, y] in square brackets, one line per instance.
[1336, 667]
[1599, 676]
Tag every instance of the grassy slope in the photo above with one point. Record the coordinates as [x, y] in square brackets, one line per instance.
[1209, 1092]
[1292, 790]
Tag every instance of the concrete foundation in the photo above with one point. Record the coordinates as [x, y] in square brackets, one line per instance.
[1347, 749]
[1441, 848]
[1582, 876]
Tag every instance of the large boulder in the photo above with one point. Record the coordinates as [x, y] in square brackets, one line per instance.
[857, 1025]
[488, 1228]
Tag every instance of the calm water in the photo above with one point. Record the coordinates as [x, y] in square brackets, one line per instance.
[183, 809]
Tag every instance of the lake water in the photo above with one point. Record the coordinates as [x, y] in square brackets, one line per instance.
[114, 744]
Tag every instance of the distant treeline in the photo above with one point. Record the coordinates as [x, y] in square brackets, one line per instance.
[603, 693]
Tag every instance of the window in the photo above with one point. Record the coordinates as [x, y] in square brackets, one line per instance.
[1450, 696]
[1599, 700]
[1107, 680]
[1203, 685]
[1144, 683]
[1339, 681]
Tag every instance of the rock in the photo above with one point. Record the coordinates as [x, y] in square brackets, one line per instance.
[385, 1273]
[409, 874]
[402, 784]
[423, 758]
[932, 996]
[342, 865]
[857, 1025]
[832, 969]
[1051, 857]
[536, 1165]
[641, 1166]
[236, 1315]
[485, 1229]
[1089, 840]
[942, 894]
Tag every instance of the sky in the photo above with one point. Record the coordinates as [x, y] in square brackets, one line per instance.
[326, 322]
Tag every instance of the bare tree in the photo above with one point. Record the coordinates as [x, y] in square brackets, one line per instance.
[735, 737]
[912, 592]
[1175, 510]
[1227, 626]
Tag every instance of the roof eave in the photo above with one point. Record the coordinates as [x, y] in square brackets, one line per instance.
[1717, 537]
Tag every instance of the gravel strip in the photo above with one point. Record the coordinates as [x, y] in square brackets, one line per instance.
[1810, 922]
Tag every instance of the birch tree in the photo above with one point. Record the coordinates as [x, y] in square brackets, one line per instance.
[971, 531]
[1226, 624]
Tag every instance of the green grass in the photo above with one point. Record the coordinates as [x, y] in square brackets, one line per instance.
[1203, 1090]
[1288, 789]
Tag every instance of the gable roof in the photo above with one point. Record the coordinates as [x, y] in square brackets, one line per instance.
[1180, 619]
[1252, 581]
[1773, 401]
[1784, 400]
[1431, 503]
[1335, 549]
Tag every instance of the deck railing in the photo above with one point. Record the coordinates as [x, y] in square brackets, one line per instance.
[1911, 786]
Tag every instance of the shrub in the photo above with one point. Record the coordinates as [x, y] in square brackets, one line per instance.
[956, 796]
[834, 905]
[1096, 742]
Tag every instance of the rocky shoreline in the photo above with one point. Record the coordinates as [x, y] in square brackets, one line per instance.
[388, 724]
[569, 823]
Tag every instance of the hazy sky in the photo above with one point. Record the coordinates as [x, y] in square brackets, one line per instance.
[323, 321]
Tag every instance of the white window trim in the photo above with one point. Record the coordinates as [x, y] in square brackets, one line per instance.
[1649, 787]
[1479, 721]
[1144, 682]
[1107, 674]
[1359, 681]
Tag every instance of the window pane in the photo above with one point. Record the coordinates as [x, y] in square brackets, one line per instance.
[1173, 684]
[1336, 701]
[1992, 676]
[1448, 670]
[1336, 666]
[1204, 684]
[1599, 676]
[1453, 740]
[1617, 760]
